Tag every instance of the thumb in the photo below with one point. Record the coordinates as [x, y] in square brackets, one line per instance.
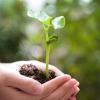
[23, 83]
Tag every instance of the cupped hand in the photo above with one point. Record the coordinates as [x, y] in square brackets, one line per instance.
[14, 86]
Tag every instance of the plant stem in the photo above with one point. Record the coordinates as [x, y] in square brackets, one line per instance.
[47, 50]
[47, 58]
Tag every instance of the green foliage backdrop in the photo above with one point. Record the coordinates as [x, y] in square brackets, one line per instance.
[77, 51]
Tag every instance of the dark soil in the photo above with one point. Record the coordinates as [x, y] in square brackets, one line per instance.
[32, 71]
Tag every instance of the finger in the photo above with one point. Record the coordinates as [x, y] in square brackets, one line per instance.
[23, 83]
[71, 91]
[52, 85]
[77, 91]
[9, 93]
[66, 89]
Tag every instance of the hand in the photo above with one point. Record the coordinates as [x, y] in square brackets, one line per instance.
[58, 73]
[11, 82]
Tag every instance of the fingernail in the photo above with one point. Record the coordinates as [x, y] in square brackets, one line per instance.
[74, 81]
[77, 84]
[76, 90]
[68, 76]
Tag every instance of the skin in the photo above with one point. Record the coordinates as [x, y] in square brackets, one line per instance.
[14, 86]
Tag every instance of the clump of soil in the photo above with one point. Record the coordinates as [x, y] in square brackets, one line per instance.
[32, 71]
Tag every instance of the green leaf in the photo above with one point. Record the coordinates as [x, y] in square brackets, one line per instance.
[41, 16]
[52, 39]
[58, 22]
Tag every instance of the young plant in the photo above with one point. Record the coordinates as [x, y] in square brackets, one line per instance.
[48, 22]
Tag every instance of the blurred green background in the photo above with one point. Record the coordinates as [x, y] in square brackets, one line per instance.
[77, 51]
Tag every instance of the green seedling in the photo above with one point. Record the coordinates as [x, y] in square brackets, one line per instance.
[48, 22]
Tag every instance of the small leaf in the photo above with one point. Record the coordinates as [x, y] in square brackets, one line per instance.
[41, 16]
[58, 22]
[52, 39]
